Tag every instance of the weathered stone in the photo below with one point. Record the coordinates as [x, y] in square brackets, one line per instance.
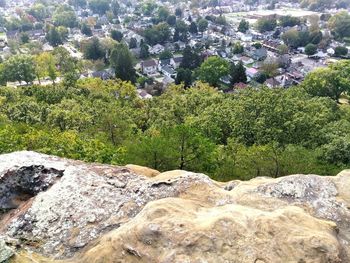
[101, 213]
[5, 252]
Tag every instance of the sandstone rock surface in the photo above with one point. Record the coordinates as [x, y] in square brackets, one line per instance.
[58, 210]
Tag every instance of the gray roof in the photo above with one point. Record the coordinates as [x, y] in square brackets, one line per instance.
[149, 63]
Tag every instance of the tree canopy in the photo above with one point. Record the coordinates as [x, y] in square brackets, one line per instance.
[213, 69]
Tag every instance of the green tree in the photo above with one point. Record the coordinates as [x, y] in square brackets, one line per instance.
[117, 35]
[68, 66]
[163, 13]
[63, 31]
[337, 151]
[191, 59]
[339, 24]
[310, 49]
[289, 21]
[86, 30]
[19, 68]
[54, 37]
[291, 38]
[78, 3]
[93, 49]
[144, 51]
[213, 69]
[192, 151]
[157, 34]
[182, 28]
[64, 16]
[178, 12]
[39, 11]
[166, 54]
[243, 26]
[99, 6]
[283, 49]
[151, 149]
[171, 20]
[24, 38]
[178, 147]
[238, 73]
[328, 82]
[269, 67]
[341, 51]
[45, 65]
[122, 61]
[237, 48]
[266, 24]
[69, 115]
[202, 25]
[184, 76]
[133, 43]
[193, 29]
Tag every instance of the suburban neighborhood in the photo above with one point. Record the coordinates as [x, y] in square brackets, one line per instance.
[256, 42]
[175, 131]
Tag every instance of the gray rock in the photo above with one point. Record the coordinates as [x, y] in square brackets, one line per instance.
[72, 204]
[86, 201]
[5, 252]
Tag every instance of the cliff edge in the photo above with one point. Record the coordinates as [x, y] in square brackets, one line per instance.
[59, 210]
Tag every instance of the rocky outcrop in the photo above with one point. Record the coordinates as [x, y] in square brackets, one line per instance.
[5, 252]
[53, 209]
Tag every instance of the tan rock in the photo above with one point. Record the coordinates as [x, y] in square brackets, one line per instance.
[178, 230]
[145, 171]
[102, 213]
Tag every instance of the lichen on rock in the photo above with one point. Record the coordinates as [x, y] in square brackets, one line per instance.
[5, 252]
[79, 212]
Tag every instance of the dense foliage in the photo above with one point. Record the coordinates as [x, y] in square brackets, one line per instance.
[265, 132]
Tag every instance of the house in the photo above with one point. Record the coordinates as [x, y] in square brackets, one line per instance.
[181, 45]
[319, 55]
[167, 81]
[144, 94]
[246, 60]
[259, 54]
[37, 34]
[246, 37]
[272, 83]
[285, 80]
[14, 34]
[330, 51]
[295, 75]
[47, 47]
[157, 49]
[149, 67]
[176, 61]
[240, 86]
[252, 72]
[222, 53]
[168, 71]
[164, 63]
[271, 45]
[103, 74]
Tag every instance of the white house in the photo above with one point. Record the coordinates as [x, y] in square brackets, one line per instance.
[149, 67]
[157, 49]
[176, 61]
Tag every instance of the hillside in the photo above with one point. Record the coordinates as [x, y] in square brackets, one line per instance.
[54, 209]
[254, 132]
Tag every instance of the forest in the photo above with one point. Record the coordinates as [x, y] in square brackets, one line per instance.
[240, 135]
